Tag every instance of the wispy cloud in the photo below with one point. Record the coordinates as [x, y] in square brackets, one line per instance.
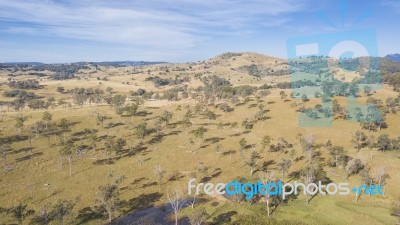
[394, 4]
[178, 24]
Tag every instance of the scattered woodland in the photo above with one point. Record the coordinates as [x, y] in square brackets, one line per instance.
[88, 143]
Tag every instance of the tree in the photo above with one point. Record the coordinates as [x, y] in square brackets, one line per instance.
[367, 90]
[159, 172]
[359, 140]
[266, 178]
[119, 145]
[47, 117]
[353, 89]
[260, 115]
[108, 198]
[354, 166]
[374, 118]
[44, 216]
[246, 124]
[284, 165]
[110, 145]
[18, 212]
[141, 131]
[383, 142]
[67, 151]
[176, 202]
[252, 162]
[64, 125]
[304, 98]
[338, 154]
[186, 123]
[62, 209]
[358, 113]
[93, 140]
[311, 174]
[208, 114]
[199, 133]
[166, 116]
[61, 102]
[131, 110]
[198, 216]
[118, 102]
[381, 175]
[80, 98]
[60, 89]
[307, 144]
[366, 179]
[266, 140]
[283, 94]
[100, 118]
[243, 144]
[20, 123]
[4, 149]
[109, 90]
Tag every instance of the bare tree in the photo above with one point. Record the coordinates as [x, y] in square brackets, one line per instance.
[62, 209]
[265, 178]
[353, 167]
[284, 166]
[308, 148]
[67, 151]
[108, 199]
[176, 202]
[159, 172]
[198, 216]
[381, 175]
[47, 117]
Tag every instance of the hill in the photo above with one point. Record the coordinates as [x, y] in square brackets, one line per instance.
[393, 57]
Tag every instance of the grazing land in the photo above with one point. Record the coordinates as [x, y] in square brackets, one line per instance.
[87, 143]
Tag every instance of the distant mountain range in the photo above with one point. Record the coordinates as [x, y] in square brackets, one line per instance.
[393, 57]
[23, 63]
[109, 63]
[128, 63]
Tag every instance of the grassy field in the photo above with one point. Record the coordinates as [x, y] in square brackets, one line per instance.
[36, 178]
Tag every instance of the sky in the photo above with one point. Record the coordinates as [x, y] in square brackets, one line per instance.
[62, 31]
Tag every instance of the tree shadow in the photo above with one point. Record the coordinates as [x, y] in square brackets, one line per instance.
[87, 214]
[266, 164]
[141, 202]
[216, 173]
[107, 161]
[112, 125]
[156, 139]
[229, 152]
[137, 181]
[36, 154]
[25, 149]
[214, 140]
[294, 175]
[224, 218]
[176, 176]
[149, 184]
[13, 138]
[143, 113]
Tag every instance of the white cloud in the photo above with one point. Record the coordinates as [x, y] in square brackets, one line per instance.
[175, 24]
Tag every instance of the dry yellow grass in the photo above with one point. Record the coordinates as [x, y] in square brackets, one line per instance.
[179, 150]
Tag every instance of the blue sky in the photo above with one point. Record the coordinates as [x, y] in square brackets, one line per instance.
[55, 31]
